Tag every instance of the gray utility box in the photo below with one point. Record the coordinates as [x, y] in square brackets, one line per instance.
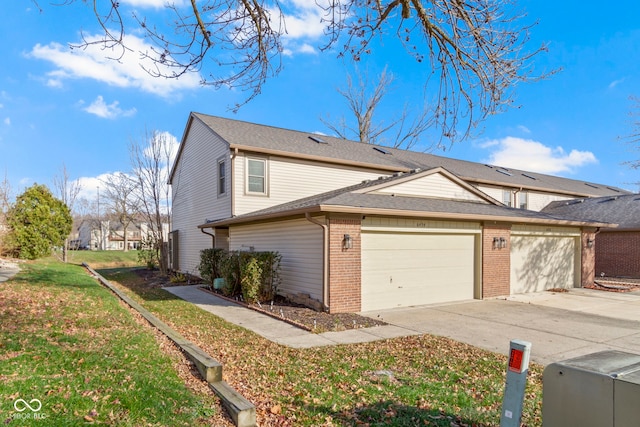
[597, 390]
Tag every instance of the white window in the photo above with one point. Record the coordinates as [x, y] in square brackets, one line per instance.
[506, 197]
[222, 177]
[522, 200]
[256, 176]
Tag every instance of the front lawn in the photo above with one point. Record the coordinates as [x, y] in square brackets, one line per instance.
[77, 356]
[411, 381]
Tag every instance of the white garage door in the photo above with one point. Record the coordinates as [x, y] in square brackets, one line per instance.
[539, 263]
[405, 269]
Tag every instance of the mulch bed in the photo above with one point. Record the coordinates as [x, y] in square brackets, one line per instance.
[281, 309]
[616, 284]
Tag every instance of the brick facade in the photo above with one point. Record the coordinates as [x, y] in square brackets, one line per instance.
[344, 266]
[618, 253]
[496, 262]
[588, 256]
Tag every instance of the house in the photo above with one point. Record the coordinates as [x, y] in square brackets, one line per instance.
[617, 250]
[109, 235]
[363, 227]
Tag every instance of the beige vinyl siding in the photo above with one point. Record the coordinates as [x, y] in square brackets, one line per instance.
[292, 179]
[436, 185]
[544, 258]
[536, 200]
[195, 196]
[299, 242]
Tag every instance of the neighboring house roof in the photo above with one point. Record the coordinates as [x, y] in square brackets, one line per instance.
[304, 145]
[363, 199]
[623, 210]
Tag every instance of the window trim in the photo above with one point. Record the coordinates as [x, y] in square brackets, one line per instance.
[222, 180]
[506, 191]
[265, 191]
[524, 194]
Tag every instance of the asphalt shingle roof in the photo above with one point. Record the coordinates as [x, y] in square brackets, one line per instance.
[623, 210]
[296, 143]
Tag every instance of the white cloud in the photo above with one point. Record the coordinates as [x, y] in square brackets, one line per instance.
[7, 121]
[615, 83]
[534, 156]
[96, 62]
[524, 129]
[108, 111]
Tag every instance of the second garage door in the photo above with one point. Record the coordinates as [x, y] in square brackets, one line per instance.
[540, 262]
[405, 269]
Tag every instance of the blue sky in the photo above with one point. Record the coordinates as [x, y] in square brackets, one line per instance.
[59, 105]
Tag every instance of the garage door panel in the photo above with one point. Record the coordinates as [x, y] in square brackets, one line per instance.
[404, 269]
[539, 263]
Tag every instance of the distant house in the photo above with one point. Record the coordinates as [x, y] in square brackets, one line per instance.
[363, 227]
[109, 235]
[617, 250]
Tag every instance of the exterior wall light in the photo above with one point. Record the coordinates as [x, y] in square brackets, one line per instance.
[499, 243]
[347, 242]
[590, 243]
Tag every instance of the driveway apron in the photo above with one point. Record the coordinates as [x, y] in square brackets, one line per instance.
[559, 325]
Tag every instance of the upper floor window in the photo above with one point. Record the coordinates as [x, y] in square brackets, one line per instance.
[222, 177]
[522, 200]
[257, 176]
[506, 197]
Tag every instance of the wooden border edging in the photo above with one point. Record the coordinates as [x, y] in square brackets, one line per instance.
[241, 410]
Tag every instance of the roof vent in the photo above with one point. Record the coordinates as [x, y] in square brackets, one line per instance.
[318, 139]
[382, 150]
[489, 166]
[613, 189]
[590, 185]
[529, 176]
[504, 172]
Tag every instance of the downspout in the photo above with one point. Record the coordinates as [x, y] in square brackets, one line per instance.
[213, 237]
[233, 175]
[325, 258]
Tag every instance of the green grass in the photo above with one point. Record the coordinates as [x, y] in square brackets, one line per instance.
[67, 341]
[104, 259]
[433, 381]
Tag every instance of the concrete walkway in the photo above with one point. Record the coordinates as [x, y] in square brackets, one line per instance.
[559, 325]
[277, 330]
[7, 270]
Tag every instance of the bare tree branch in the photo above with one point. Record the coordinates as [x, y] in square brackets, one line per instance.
[473, 49]
[368, 129]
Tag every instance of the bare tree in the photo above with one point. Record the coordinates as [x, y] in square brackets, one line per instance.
[122, 201]
[67, 191]
[633, 138]
[151, 159]
[474, 51]
[399, 132]
[5, 204]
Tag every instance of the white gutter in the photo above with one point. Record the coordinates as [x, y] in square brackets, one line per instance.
[232, 182]
[325, 258]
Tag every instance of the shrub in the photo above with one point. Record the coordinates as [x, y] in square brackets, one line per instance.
[211, 264]
[255, 275]
[250, 279]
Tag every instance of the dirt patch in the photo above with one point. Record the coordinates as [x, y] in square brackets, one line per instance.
[280, 308]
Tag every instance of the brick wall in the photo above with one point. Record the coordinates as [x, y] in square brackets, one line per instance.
[496, 263]
[618, 253]
[344, 266]
[588, 257]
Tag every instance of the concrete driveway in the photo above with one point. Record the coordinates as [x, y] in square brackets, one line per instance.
[558, 325]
